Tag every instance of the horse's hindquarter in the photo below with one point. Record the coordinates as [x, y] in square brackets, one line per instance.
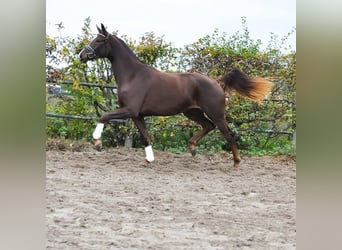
[170, 93]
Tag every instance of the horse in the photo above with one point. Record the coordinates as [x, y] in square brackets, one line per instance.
[145, 91]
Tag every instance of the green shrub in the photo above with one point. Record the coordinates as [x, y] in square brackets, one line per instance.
[213, 55]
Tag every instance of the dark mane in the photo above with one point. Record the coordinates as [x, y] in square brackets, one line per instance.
[128, 48]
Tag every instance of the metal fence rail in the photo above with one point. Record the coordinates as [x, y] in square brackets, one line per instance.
[79, 117]
[87, 84]
[94, 85]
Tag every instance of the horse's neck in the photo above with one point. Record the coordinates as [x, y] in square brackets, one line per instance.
[124, 62]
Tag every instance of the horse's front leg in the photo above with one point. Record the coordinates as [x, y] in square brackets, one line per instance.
[121, 113]
[140, 123]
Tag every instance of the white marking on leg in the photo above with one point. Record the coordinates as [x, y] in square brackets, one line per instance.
[149, 153]
[98, 131]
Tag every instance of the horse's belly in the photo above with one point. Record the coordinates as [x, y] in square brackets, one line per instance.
[165, 106]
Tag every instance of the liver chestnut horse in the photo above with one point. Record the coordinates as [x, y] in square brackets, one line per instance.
[145, 91]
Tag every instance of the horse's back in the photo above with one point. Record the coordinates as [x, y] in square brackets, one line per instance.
[173, 93]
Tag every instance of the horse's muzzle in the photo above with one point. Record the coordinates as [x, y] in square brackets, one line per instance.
[86, 58]
[88, 53]
[83, 59]
[83, 56]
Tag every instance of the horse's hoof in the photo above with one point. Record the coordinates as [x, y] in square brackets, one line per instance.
[193, 152]
[145, 163]
[98, 145]
[236, 164]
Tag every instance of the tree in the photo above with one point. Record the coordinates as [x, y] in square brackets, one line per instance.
[213, 55]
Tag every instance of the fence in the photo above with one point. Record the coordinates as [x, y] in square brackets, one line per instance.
[56, 89]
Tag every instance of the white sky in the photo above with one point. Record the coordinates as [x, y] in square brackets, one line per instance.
[180, 21]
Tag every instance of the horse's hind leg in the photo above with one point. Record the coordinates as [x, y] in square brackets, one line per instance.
[223, 127]
[198, 116]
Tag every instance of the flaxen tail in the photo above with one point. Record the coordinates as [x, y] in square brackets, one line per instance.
[253, 88]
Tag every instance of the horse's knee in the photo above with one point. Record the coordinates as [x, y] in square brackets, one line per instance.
[231, 137]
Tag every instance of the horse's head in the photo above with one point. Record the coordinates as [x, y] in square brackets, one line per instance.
[98, 47]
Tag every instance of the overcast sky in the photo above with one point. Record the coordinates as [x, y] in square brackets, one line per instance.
[179, 21]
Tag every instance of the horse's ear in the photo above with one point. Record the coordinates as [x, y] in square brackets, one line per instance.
[98, 29]
[104, 31]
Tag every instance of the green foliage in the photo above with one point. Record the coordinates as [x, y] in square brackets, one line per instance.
[82, 101]
[170, 133]
[256, 126]
[154, 51]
